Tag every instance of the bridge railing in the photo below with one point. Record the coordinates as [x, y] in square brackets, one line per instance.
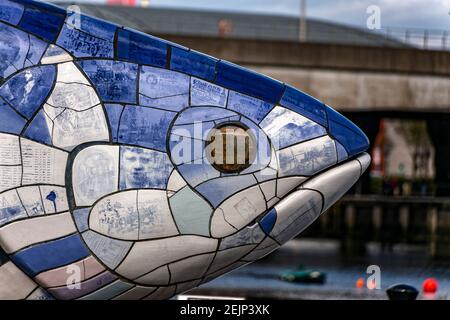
[427, 39]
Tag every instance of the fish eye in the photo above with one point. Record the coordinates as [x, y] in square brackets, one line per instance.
[231, 147]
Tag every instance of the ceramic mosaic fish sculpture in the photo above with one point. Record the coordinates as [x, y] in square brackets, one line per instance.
[107, 190]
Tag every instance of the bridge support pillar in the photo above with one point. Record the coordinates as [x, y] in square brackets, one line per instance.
[439, 131]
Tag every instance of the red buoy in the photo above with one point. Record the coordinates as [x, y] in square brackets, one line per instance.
[430, 285]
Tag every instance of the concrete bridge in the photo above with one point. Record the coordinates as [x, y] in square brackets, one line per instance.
[348, 77]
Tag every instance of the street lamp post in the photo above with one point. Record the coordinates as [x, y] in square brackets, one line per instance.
[302, 21]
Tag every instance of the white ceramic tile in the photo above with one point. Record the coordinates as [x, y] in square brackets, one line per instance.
[9, 150]
[10, 177]
[31, 200]
[239, 210]
[176, 181]
[68, 72]
[95, 173]
[24, 233]
[116, 216]
[295, 213]
[72, 128]
[190, 268]
[14, 284]
[42, 164]
[159, 277]
[284, 185]
[335, 182]
[262, 250]
[229, 256]
[155, 218]
[60, 203]
[248, 235]
[54, 55]
[269, 189]
[307, 158]
[149, 255]
[74, 96]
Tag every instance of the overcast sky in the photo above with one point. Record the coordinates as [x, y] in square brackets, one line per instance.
[426, 14]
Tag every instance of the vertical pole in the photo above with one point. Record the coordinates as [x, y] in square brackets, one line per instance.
[302, 21]
[444, 40]
[432, 218]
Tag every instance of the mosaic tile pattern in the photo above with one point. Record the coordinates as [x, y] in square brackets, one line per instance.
[104, 171]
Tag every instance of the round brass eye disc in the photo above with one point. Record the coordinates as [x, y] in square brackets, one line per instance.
[231, 148]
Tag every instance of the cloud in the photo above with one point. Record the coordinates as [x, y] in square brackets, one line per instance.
[397, 13]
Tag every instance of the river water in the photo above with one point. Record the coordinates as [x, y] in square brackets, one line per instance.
[404, 264]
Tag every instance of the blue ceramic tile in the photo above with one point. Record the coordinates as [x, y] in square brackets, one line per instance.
[13, 50]
[82, 44]
[268, 222]
[81, 217]
[165, 89]
[341, 152]
[38, 82]
[203, 114]
[204, 93]
[195, 174]
[93, 26]
[38, 130]
[110, 251]
[186, 150]
[193, 63]
[11, 209]
[347, 133]
[217, 190]
[141, 48]
[50, 255]
[145, 127]
[248, 82]
[252, 108]
[142, 168]
[197, 131]
[36, 51]
[114, 111]
[307, 158]
[55, 51]
[10, 122]
[115, 81]
[10, 11]
[305, 105]
[42, 22]
[285, 128]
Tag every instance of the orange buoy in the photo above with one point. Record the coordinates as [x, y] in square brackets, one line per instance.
[430, 285]
[360, 283]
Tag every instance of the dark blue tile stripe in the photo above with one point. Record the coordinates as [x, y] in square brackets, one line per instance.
[141, 48]
[268, 221]
[51, 255]
[248, 82]
[193, 63]
[42, 20]
[304, 104]
[347, 133]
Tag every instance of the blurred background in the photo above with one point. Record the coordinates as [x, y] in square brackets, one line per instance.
[385, 64]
